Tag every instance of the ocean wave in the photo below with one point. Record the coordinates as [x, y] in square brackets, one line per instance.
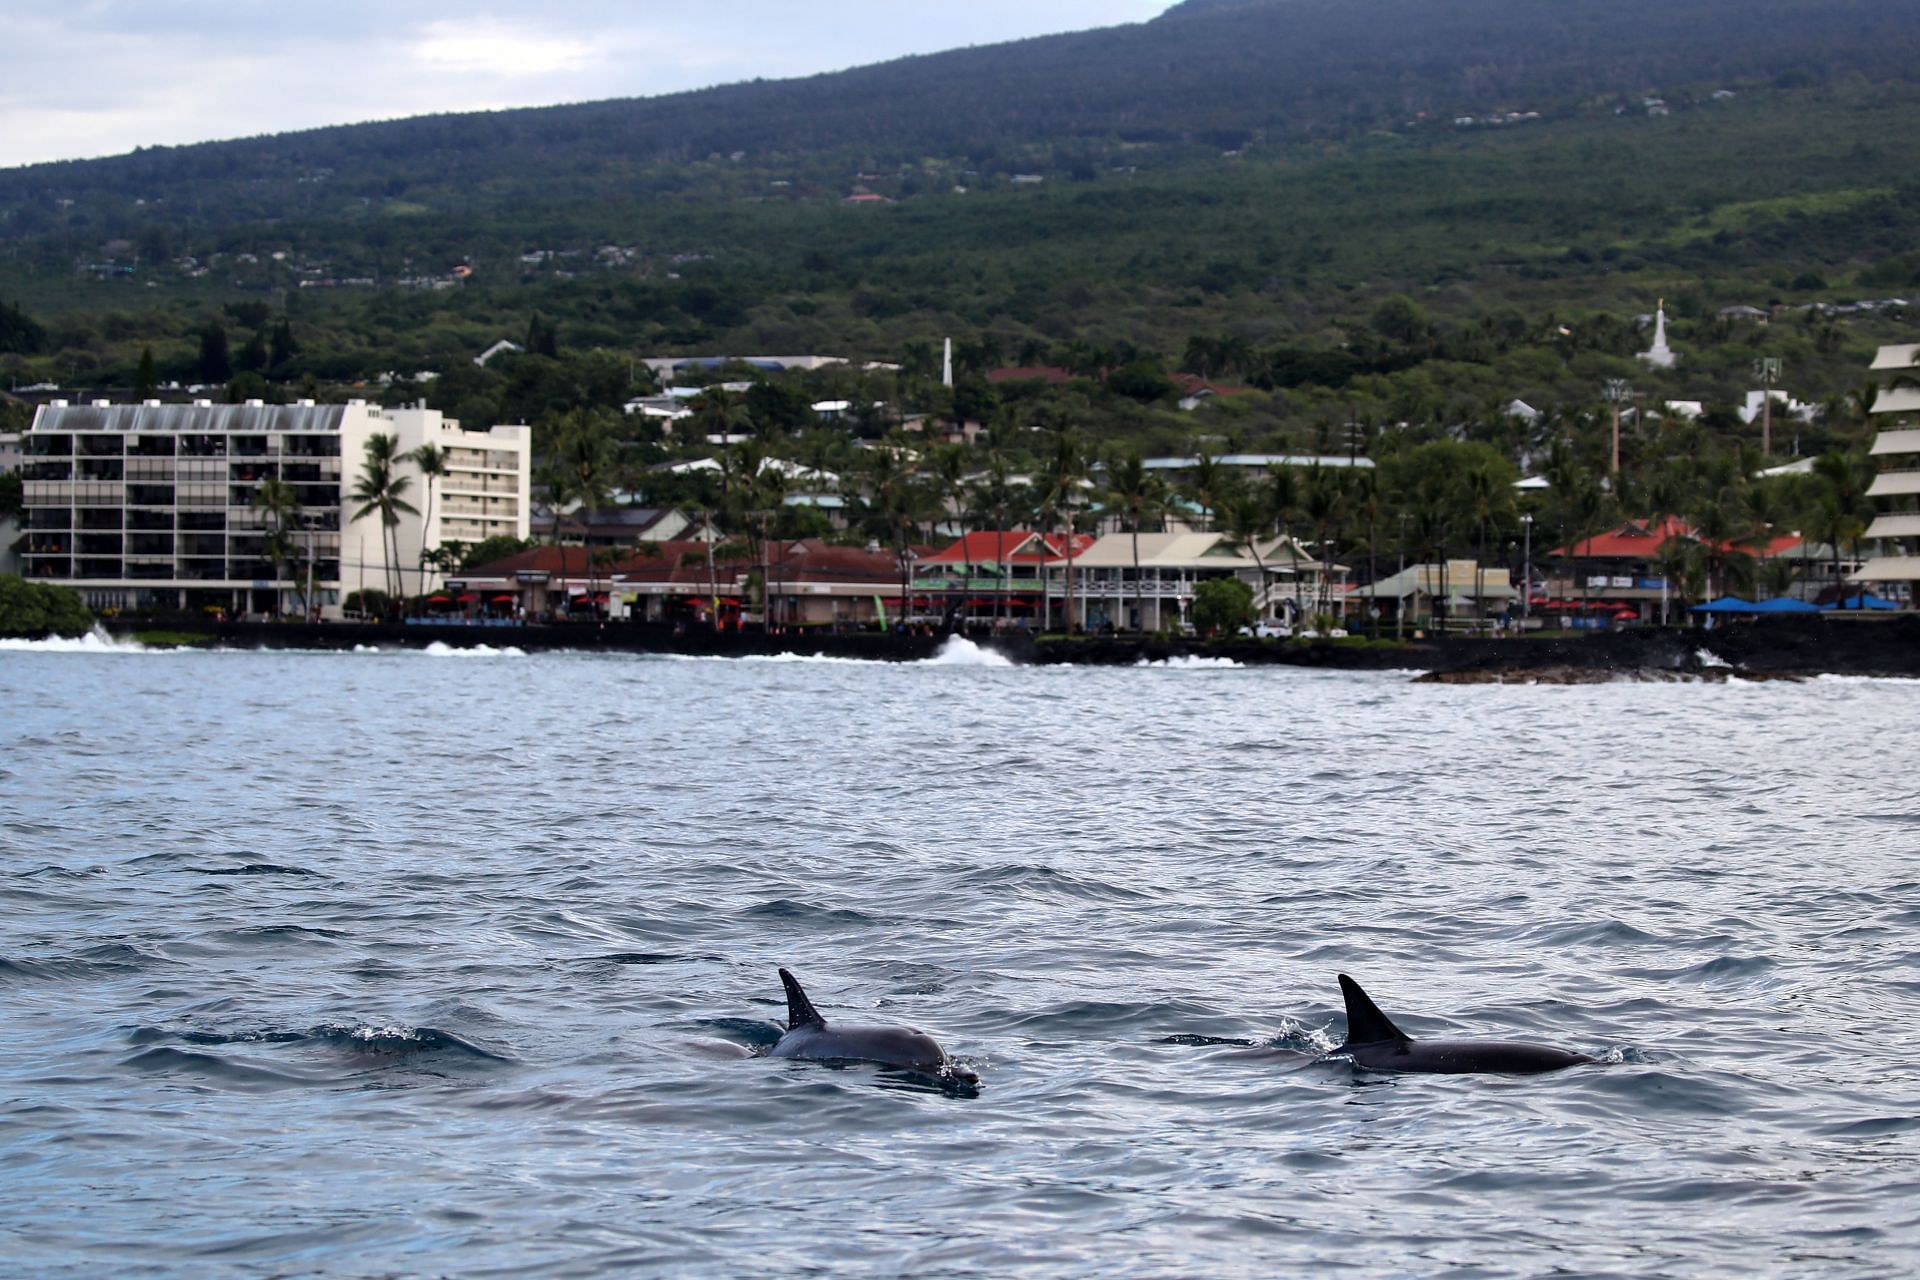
[95, 641]
[959, 651]
[1190, 662]
[441, 649]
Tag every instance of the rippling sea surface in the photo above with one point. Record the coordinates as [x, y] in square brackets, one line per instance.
[426, 963]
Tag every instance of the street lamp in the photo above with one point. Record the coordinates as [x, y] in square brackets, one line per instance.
[1526, 586]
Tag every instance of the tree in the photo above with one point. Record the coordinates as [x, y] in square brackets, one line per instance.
[1246, 521]
[1222, 605]
[1489, 499]
[33, 610]
[214, 364]
[1139, 495]
[276, 502]
[281, 346]
[253, 356]
[431, 461]
[581, 457]
[147, 378]
[381, 491]
[1060, 477]
[488, 550]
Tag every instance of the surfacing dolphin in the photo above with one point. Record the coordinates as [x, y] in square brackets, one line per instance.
[809, 1036]
[1375, 1043]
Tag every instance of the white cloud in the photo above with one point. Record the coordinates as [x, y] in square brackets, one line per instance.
[490, 47]
[105, 76]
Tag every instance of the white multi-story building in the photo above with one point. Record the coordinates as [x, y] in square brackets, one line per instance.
[152, 506]
[1896, 490]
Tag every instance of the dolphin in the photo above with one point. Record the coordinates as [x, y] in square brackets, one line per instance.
[809, 1036]
[1375, 1043]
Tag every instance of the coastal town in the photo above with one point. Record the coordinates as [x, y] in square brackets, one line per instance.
[334, 511]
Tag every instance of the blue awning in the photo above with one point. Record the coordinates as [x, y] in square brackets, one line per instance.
[1784, 604]
[1727, 604]
[1868, 600]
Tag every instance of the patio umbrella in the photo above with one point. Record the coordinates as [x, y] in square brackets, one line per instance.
[1784, 604]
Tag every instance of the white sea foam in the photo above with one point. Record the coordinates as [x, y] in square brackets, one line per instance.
[1708, 658]
[959, 651]
[1189, 662]
[95, 641]
[439, 649]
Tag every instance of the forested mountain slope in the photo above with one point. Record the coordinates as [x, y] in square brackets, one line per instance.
[1214, 72]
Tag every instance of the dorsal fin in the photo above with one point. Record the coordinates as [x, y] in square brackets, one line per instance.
[1365, 1023]
[800, 1010]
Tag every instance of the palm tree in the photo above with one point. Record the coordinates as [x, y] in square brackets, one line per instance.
[1246, 521]
[1065, 468]
[380, 490]
[431, 461]
[1324, 507]
[582, 457]
[1206, 483]
[275, 500]
[1489, 498]
[1140, 495]
[949, 472]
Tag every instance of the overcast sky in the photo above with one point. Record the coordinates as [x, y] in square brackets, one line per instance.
[99, 77]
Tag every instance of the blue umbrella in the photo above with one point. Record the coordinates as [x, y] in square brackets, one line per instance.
[1781, 604]
[1867, 600]
[1727, 604]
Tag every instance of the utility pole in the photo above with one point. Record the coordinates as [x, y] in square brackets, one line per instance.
[1767, 369]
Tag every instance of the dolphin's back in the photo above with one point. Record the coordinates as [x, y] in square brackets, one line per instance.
[810, 1036]
[1459, 1057]
[1375, 1043]
[889, 1046]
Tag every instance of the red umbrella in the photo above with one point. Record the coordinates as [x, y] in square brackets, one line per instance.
[468, 597]
[503, 599]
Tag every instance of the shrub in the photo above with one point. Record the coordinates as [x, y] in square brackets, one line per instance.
[36, 610]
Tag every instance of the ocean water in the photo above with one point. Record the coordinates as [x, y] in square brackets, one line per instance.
[396, 964]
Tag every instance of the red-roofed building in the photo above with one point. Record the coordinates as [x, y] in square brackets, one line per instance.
[1618, 572]
[1001, 574]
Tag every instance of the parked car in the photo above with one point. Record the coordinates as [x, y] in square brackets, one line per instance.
[1264, 630]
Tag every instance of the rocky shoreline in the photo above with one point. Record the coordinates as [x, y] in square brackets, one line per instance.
[1778, 648]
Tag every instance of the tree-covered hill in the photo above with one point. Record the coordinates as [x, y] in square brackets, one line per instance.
[1218, 75]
